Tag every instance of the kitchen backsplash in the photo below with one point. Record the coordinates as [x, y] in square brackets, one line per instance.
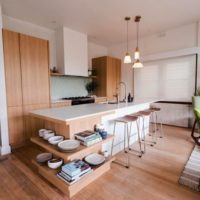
[63, 86]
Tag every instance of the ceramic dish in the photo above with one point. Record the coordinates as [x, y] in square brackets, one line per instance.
[48, 134]
[68, 145]
[41, 132]
[43, 157]
[55, 140]
[55, 163]
[95, 159]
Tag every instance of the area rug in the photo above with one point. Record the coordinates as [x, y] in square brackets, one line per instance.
[190, 176]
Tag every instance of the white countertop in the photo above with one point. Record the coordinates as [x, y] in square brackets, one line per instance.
[65, 114]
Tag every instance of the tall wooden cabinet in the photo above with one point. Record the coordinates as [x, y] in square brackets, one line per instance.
[27, 81]
[108, 71]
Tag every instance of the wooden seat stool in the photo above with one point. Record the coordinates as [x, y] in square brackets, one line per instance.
[126, 120]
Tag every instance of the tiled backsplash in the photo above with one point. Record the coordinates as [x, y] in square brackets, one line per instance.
[64, 86]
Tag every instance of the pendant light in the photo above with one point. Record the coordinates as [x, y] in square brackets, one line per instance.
[137, 63]
[127, 58]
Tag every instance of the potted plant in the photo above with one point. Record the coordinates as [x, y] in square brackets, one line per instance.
[91, 87]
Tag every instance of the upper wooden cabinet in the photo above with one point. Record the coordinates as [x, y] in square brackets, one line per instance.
[13, 68]
[35, 70]
[108, 72]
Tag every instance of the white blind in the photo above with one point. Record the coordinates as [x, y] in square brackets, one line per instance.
[170, 79]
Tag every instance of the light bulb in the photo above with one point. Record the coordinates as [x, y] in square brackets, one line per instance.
[127, 58]
[137, 54]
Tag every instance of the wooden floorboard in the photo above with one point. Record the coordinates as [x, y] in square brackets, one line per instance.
[152, 177]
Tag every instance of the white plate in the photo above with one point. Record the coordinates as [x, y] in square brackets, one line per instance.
[68, 145]
[43, 157]
[95, 159]
[55, 139]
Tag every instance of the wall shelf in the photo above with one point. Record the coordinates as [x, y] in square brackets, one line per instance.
[59, 74]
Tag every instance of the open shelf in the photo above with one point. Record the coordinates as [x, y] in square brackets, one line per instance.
[79, 154]
[71, 190]
[59, 74]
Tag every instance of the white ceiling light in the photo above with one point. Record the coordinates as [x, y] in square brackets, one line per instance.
[127, 58]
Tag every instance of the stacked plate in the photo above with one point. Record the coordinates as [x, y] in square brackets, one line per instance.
[69, 145]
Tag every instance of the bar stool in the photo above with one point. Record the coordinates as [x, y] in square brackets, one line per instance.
[126, 120]
[141, 116]
[155, 112]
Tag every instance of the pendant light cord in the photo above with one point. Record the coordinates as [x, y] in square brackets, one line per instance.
[137, 34]
[127, 37]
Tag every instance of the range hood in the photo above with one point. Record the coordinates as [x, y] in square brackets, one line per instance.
[72, 52]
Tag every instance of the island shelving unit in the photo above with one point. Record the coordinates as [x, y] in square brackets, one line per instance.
[68, 128]
[68, 121]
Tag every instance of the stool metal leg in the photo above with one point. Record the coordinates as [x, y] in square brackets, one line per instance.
[144, 134]
[125, 131]
[129, 135]
[113, 138]
[155, 127]
[119, 162]
[139, 139]
[161, 127]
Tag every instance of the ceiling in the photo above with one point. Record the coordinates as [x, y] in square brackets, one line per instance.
[103, 20]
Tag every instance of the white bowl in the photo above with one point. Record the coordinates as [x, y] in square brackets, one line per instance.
[48, 135]
[41, 132]
[55, 163]
[55, 139]
[68, 145]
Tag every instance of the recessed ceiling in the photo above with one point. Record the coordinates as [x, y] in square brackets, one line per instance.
[103, 20]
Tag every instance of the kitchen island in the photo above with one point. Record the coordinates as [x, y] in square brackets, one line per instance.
[68, 121]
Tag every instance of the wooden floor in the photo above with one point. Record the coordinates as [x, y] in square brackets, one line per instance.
[152, 177]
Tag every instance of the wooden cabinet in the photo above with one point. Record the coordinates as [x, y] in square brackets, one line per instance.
[100, 99]
[35, 70]
[58, 104]
[27, 82]
[108, 71]
[16, 125]
[12, 68]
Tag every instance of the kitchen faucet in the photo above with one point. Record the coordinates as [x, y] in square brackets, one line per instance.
[125, 98]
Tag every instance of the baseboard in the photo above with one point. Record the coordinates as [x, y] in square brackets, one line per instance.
[5, 150]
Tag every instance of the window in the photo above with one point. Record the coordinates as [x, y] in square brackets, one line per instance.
[170, 79]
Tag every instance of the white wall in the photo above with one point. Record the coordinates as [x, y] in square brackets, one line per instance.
[4, 143]
[175, 39]
[94, 51]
